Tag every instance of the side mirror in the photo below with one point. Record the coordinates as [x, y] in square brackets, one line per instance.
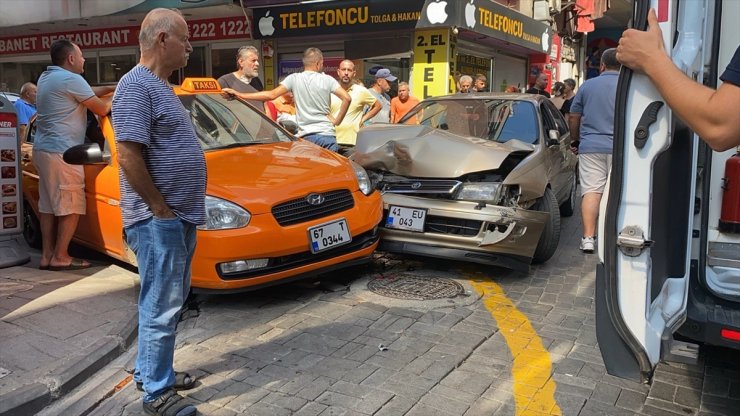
[86, 154]
[553, 138]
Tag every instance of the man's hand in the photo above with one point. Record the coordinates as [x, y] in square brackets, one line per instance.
[228, 92]
[162, 212]
[638, 49]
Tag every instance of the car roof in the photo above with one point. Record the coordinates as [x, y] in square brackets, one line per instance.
[13, 97]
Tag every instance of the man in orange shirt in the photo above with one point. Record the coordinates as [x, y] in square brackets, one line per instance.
[402, 104]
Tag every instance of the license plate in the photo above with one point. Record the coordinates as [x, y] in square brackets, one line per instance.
[329, 235]
[403, 218]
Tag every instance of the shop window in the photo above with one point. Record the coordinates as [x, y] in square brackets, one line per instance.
[223, 61]
[15, 74]
[196, 66]
[112, 68]
[398, 67]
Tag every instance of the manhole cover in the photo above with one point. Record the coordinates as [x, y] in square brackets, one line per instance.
[415, 287]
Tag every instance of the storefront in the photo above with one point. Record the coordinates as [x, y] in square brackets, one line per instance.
[421, 42]
[112, 51]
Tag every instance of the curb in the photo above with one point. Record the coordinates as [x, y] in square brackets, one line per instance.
[32, 398]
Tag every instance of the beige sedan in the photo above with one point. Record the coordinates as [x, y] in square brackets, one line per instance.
[483, 178]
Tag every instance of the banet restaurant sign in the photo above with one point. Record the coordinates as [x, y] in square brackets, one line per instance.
[207, 29]
[488, 18]
[349, 16]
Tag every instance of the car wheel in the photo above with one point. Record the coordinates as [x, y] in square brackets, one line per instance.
[31, 227]
[569, 206]
[551, 234]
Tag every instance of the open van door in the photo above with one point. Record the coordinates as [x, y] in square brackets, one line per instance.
[645, 236]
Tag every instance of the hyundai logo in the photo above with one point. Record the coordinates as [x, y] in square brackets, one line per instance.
[416, 185]
[315, 199]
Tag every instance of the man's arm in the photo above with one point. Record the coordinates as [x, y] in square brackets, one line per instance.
[103, 90]
[371, 112]
[711, 114]
[259, 96]
[134, 168]
[98, 105]
[574, 122]
[346, 99]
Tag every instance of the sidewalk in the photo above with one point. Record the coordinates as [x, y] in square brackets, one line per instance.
[59, 328]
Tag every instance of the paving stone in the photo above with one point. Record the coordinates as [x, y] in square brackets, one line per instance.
[631, 400]
[670, 407]
[359, 374]
[315, 388]
[570, 405]
[396, 406]
[311, 409]
[679, 380]
[483, 406]
[605, 393]
[568, 366]
[468, 382]
[662, 391]
[444, 404]
[266, 409]
[688, 397]
[716, 386]
[593, 407]
[297, 383]
[372, 402]
[331, 398]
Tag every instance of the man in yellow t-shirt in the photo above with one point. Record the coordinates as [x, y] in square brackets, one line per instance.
[361, 97]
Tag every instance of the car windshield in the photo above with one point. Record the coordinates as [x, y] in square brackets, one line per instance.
[227, 122]
[491, 119]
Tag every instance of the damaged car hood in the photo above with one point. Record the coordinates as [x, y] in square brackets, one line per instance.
[424, 152]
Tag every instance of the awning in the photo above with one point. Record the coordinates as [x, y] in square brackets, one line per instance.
[488, 18]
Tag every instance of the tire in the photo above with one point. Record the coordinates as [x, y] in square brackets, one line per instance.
[551, 233]
[31, 227]
[569, 206]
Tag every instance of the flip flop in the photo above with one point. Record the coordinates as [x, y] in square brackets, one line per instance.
[75, 264]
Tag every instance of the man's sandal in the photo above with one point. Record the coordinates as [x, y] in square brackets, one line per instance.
[170, 404]
[183, 381]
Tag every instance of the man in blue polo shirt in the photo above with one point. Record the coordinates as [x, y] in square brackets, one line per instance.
[592, 120]
[25, 107]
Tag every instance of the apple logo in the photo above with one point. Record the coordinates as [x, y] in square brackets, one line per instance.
[470, 14]
[545, 40]
[265, 26]
[436, 12]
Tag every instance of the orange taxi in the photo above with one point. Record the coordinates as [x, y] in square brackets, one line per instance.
[278, 208]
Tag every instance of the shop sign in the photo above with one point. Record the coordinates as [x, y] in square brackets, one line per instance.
[10, 185]
[234, 27]
[488, 18]
[335, 17]
[431, 63]
[472, 65]
[291, 66]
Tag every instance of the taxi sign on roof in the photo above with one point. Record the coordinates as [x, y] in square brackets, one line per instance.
[200, 85]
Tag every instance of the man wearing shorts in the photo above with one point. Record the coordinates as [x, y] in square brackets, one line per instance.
[62, 102]
[592, 120]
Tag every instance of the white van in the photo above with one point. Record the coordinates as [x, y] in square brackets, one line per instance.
[665, 264]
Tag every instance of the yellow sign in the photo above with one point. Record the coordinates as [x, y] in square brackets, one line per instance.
[431, 62]
[268, 64]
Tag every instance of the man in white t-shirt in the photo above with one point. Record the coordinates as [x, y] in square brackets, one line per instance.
[312, 91]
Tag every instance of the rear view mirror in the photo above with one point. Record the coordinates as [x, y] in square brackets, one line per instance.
[553, 138]
[86, 154]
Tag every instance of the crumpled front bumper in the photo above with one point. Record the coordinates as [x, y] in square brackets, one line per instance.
[491, 231]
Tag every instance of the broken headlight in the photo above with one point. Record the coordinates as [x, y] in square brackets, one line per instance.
[479, 191]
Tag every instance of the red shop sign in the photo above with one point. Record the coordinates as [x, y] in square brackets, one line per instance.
[234, 27]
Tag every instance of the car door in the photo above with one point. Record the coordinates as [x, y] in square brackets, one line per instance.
[561, 158]
[101, 228]
[645, 233]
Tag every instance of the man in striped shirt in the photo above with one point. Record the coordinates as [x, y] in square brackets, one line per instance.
[163, 182]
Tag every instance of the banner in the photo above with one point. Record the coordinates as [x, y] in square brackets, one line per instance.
[10, 183]
[234, 27]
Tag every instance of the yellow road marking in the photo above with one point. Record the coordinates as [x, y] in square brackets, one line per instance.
[534, 389]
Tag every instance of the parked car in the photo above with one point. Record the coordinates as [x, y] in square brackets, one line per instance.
[278, 207]
[12, 97]
[483, 178]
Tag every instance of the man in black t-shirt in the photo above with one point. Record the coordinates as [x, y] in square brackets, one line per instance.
[712, 114]
[539, 86]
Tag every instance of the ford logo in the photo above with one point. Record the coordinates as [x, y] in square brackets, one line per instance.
[315, 199]
[416, 185]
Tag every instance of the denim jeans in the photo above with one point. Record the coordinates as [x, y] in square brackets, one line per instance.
[164, 249]
[323, 140]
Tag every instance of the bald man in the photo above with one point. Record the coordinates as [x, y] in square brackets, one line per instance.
[163, 185]
[25, 107]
